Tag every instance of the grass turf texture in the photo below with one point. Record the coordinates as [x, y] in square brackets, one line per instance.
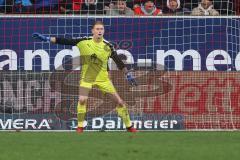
[120, 145]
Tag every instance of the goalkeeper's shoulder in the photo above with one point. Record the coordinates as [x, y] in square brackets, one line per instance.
[109, 44]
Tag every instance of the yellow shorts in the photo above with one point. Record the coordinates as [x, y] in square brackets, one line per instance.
[105, 86]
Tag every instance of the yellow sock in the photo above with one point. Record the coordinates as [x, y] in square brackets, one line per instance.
[81, 112]
[123, 113]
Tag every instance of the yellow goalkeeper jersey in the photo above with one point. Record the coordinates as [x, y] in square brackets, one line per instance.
[93, 57]
[94, 60]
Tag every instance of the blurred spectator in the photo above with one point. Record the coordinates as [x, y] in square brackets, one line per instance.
[223, 7]
[77, 5]
[66, 6]
[205, 8]
[133, 3]
[46, 6]
[147, 8]
[119, 8]
[136, 3]
[22, 6]
[94, 7]
[174, 8]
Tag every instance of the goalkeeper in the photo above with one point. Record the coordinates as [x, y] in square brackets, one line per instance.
[95, 52]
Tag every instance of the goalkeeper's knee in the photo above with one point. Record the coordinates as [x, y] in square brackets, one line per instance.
[82, 100]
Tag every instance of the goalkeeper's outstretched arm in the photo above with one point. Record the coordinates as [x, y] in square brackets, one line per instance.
[129, 76]
[56, 40]
[65, 41]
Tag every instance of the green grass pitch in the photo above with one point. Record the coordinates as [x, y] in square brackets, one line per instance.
[120, 146]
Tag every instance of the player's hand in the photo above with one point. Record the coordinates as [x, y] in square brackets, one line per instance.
[40, 37]
[130, 78]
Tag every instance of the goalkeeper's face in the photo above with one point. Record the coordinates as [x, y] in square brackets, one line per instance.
[98, 31]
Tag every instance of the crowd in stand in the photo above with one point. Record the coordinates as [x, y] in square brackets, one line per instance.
[122, 7]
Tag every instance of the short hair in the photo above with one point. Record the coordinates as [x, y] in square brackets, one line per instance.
[97, 23]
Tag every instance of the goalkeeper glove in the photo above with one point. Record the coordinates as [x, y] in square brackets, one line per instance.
[130, 78]
[40, 37]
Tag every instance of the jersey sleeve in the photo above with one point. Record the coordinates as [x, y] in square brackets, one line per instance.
[71, 42]
[116, 58]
